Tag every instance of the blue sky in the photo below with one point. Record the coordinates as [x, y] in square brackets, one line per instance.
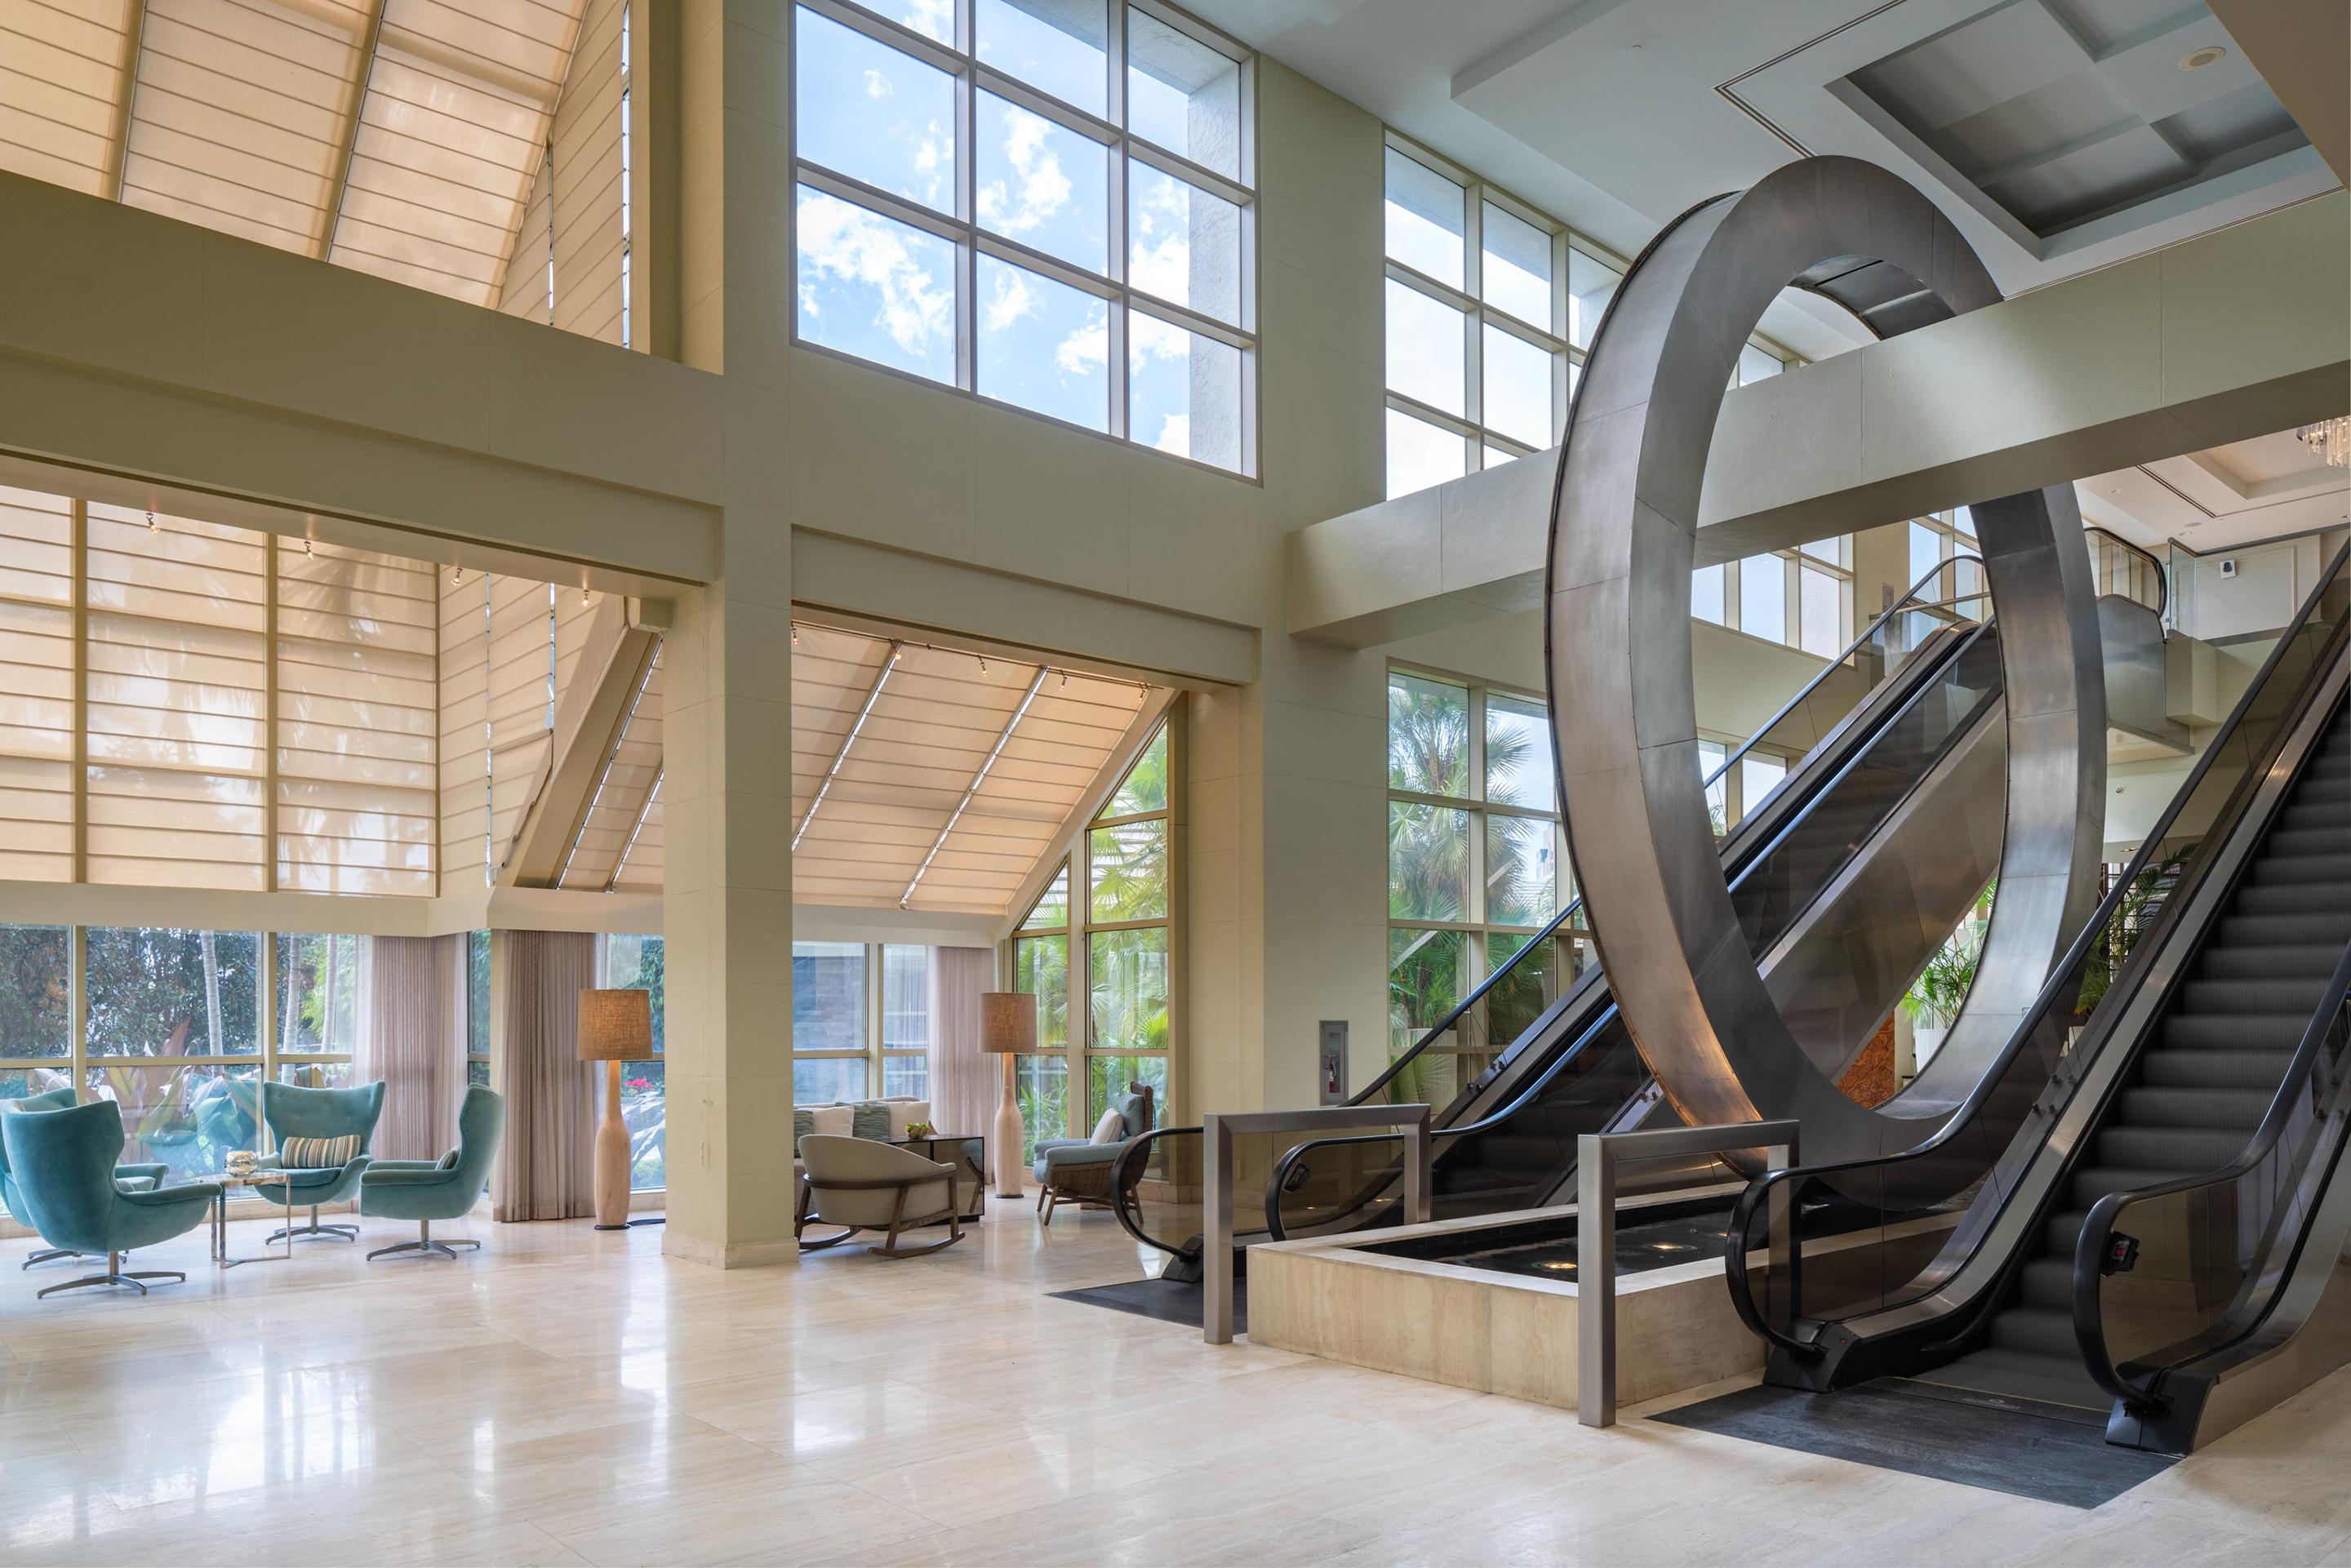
[885, 290]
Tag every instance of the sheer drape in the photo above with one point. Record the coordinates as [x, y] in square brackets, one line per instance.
[412, 1038]
[544, 1169]
[964, 1085]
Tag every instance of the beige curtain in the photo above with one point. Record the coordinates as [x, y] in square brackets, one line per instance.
[545, 1165]
[413, 1039]
[964, 1085]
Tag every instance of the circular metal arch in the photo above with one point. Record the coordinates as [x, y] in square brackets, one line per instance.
[1617, 647]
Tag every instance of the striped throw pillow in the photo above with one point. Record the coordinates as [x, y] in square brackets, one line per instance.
[803, 1124]
[319, 1154]
[870, 1120]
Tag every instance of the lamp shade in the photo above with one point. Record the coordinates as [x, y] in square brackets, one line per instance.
[616, 1026]
[1007, 1023]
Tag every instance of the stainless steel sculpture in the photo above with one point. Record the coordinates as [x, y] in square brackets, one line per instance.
[1623, 541]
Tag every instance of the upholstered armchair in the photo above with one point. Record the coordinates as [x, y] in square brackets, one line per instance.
[859, 1184]
[131, 1177]
[310, 1116]
[64, 1165]
[445, 1189]
[1079, 1170]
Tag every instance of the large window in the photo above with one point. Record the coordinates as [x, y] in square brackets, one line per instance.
[1801, 598]
[635, 964]
[1046, 202]
[861, 1021]
[1477, 865]
[1938, 540]
[1119, 925]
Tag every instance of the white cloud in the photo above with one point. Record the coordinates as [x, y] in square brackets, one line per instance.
[1085, 350]
[932, 18]
[878, 86]
[1010, 301]
[849, 244]
[1174, 434]
[1043, 188]
[1148, 338]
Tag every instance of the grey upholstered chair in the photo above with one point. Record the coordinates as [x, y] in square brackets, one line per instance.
[859, 1184]
[130, 1178]
[1079, 1170]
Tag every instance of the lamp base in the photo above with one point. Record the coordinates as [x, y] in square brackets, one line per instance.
[630, 1224]
[1008, 1140]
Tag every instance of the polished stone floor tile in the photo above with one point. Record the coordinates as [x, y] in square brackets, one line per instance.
[570, 1396]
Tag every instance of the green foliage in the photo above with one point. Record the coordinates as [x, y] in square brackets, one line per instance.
[2124, 928]
[1935, 996]
[1145, 788]
[1044, 1111]
[1040, 967]
[152, 991]
[36, 1006]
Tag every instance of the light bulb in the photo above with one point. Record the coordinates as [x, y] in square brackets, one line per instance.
[458, 575]
[307, 549]
[583, 597]
[152, 527]
[983, 663]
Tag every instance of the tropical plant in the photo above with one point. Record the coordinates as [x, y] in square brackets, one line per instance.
[1935, 996]
[2140, 903]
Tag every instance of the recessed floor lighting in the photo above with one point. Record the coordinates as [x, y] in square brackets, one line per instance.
[2209, 55]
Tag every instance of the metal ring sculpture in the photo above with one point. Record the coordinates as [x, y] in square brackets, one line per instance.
[1623, 536]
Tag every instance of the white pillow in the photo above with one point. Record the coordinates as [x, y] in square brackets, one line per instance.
[834, 1121]
[904, 1114]
[1111, 1129]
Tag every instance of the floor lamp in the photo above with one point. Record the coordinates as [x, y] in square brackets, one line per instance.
[614, 1026]
[1007, 1028]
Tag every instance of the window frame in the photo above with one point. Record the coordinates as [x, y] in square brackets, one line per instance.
[873, 1051]
[1477, 928]
[962, 230]
[1799, 562]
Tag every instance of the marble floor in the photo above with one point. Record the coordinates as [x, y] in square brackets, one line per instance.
[569, 1397]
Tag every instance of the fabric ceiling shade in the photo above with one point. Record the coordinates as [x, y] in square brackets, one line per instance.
[355, 722]
[616, 1026]
[37, 707]
[1007, 1023]
[604, 855]
[177, 692]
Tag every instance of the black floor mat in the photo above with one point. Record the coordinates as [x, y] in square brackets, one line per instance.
[1166, 1299]
[2054, 1458]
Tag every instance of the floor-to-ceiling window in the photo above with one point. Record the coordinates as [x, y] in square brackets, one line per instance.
[1476, 865]
[861, 1021]
[635, 963]
[1800, 598]
[1047, 202]
[1116, 936]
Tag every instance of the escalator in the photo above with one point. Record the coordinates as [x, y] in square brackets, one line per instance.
[1920, 753]
[2160, 1236]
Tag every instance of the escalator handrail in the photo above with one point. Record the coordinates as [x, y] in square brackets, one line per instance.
[2162, 578]
[2097, 1230]
[1461, 1009]
[2066, 974]
[1542, 1080]
[1759, 856]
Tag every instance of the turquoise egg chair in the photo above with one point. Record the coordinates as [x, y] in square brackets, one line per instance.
[137, 1176]
[445, 1189]
[64, 1165]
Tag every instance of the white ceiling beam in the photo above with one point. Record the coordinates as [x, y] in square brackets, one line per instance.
[355, 104]
[977, 778]
[118, 151]
[865, 711]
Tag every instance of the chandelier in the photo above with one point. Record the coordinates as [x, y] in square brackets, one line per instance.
[2331, 439]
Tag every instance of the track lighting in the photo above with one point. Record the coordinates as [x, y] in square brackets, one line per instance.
[152, 526]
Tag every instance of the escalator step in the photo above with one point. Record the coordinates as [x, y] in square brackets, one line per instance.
[2204, 998]
[2096, 1181]
[2037, 1331]
[2186, 1150]
[2321, 929]
[2300, 961]
[2171, 1067]
[2332, 869]
[2301, 815]
[2318, 838]
[2048, 1281]
[2252, 1032]
[2063, 1230]
[2234, 1110]
[2289, 898]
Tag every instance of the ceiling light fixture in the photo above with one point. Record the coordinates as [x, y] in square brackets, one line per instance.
[2331, 439]
[983, 663]
[152, 527]
[2197, 59]
[457, 575]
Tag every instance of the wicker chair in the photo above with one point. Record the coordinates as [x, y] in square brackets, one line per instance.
[859, 1184]
[1079, 1170]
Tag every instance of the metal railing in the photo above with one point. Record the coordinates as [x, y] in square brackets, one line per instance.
[1216, 1132]
[2120, 570]
[1597, 1157]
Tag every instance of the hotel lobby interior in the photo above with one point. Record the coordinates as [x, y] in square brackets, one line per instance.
[1550, 781]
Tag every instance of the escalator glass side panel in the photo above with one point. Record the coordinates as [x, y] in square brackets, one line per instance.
[1929, 1209]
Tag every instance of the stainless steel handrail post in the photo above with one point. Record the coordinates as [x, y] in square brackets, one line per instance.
[1597, 1157]
[1216, 1133]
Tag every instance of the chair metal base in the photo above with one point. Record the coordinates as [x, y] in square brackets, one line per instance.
[423, 1246]
[114, 1276]
[314, 1231]
[50, 1254]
